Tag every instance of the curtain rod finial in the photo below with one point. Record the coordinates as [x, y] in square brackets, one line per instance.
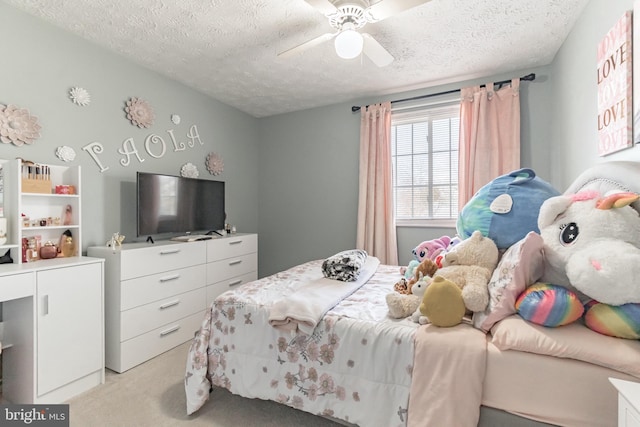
[355, 108]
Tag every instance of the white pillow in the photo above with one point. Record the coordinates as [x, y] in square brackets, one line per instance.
[520, 266]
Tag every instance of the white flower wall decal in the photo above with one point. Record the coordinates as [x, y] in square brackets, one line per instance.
[65, 153]
[17, 126]
[215, 165]
[189, 170]
[139, 112]
[79, 96]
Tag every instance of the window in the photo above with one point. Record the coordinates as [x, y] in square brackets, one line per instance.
[424, 151]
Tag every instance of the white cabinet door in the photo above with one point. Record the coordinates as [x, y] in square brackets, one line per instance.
[70, 319]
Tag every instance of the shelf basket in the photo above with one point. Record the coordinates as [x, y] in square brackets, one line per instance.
[36, 186]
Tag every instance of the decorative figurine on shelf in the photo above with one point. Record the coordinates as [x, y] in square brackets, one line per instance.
[68, 212]
[49, 250]
[6, 258]
[25, 248]
[68, 247]
[63, 240]
[32, 250]
[115, 241]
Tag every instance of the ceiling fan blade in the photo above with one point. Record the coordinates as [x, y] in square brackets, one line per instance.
[324, 6]
[307, 45]
[376, 53]
[386, 8]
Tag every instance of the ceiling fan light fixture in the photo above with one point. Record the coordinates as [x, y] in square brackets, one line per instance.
[349, 44]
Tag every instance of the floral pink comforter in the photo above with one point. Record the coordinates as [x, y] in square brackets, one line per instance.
[356, 366]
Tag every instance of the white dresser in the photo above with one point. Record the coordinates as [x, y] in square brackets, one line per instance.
[156, 293]
[231, 261]
[628, 402]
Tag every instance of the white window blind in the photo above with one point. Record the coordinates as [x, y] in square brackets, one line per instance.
[424, 150]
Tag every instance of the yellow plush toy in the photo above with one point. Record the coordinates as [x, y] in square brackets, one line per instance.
[442, 303]
[468, 267]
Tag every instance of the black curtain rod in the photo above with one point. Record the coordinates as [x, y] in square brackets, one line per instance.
[528, 77]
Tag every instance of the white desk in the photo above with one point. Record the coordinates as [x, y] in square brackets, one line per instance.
[53, 329]
[628, 402]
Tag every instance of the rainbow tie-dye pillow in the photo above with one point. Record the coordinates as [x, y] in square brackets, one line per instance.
[552, 306]
[549, 305]
[622, 321]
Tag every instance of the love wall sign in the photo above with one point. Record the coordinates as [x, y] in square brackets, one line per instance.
[615, 79]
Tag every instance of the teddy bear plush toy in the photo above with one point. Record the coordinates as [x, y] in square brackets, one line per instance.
[421, 265]
[462, 282]
[592, 248]
[418, 271]
[403, 305]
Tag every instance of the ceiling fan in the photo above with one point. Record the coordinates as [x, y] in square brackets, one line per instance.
[347, 17]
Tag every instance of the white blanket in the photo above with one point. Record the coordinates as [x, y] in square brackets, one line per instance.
[302, 310]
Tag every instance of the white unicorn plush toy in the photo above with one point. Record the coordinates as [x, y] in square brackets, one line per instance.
[592, 246]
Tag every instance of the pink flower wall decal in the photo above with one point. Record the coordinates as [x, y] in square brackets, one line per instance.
[215, 165]
[17, 126]
[139, 112]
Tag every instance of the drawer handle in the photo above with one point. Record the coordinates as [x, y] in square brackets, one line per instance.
[237, 282]
[45, 305]
[169, 278]
[175, 251]
[169, 304]
[169, 331]
[235, 242]
[236, 262]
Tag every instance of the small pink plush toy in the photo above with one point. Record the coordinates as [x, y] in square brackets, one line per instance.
[431, 248]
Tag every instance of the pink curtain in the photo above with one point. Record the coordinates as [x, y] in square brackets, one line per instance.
[376, 226]
[489, 136]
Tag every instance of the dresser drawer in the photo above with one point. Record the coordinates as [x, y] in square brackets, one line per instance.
[156, 259]
[216, 289]
[233, 246]
[153, 343]
[143, 290]
[140, 320]
[231, 267]
[17, 286]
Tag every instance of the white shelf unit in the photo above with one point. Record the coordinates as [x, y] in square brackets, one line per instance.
[52, 309]
[41, 206]
[7, 196]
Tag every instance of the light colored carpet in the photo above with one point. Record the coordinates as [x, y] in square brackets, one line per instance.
[152, 394]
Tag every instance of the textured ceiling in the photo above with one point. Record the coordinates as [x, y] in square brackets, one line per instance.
[234, 44]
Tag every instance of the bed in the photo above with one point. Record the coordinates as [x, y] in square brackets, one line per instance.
[335, 371]
[356, 364]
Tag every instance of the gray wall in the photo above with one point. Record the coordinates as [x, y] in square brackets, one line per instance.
[559, 140]
[574, 102]
[293, 178]
[41, 63]
[309, 174]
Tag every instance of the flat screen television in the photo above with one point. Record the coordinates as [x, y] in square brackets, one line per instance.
[178, 205]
